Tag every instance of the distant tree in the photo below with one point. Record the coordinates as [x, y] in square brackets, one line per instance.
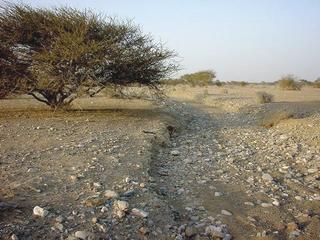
[201, 78]
[57, 55]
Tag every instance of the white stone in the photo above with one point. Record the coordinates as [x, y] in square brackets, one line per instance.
[175, 153]
[217, 194]
[84, 235]
[139, 213]
[40, 212]
[121, 205]
[225, 212]
[276, 203]
[109, 194]
[266, 205]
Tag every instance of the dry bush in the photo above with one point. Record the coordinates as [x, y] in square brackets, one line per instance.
[243, 83]
[57, 55]
[263, 97]
[289, 82]
[316, 83]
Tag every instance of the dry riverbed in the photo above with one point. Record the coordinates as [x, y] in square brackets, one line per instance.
[196, 167]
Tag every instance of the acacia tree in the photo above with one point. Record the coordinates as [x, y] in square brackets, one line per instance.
[63, 53]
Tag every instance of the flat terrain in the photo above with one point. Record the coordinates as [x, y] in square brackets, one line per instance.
[206, 163]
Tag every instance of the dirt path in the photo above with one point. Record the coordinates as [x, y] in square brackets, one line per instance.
[222, 169]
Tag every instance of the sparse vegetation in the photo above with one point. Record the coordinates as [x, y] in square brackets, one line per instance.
[202, 78]
[263, 97]
[289, 82]
[57, 55]
[243, 83]
[316, 83]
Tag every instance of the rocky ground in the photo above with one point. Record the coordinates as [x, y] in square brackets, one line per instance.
[184, 170]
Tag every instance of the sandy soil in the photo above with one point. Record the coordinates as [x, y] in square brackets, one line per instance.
[207, 163]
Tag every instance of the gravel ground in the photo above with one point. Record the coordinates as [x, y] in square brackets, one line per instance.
[181, 171]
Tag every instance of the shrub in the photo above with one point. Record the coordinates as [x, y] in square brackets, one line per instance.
[316, 83]
[243, 83]
[289, 82]
[57, 55]
[264, 97]
[202, 78]
[218, 83]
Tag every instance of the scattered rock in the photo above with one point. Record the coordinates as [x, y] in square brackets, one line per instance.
[276, 203]
[175, 153]
[85, 235]
[94, 202]
[267, 177]
[121, 205]
[190, 231]
[144, 230]
[225, 212]
[266, 205]
[14, 237]
[109, 194]
[139, 213]
[40, 212]
[217, 194]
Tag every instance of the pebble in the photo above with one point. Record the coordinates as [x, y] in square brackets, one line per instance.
[129, 193]
[14, 237]
[312, 170]
[109, 194]
[190, 231]
[121, 205]
[40, 212]
[276, 203]
[175, 153]
[139, 213]
[143, 230]
[267, 177]
[249, 203]
[266, 205]
[214, 231]
[292, 226]
[225, 212]
[217, 194]
[84, 235]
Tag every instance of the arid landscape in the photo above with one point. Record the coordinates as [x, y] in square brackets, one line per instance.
[201, 163]
[159, 120]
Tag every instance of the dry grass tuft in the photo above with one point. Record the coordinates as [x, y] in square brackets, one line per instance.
[289, 82]
[263, 97]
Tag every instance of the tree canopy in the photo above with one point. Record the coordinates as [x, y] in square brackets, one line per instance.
[55, 55]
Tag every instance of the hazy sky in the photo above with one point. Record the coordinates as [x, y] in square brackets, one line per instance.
[242, 40]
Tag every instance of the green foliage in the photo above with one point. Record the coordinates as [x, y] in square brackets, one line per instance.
[289, 82]
[202, 78]
[57, 55]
